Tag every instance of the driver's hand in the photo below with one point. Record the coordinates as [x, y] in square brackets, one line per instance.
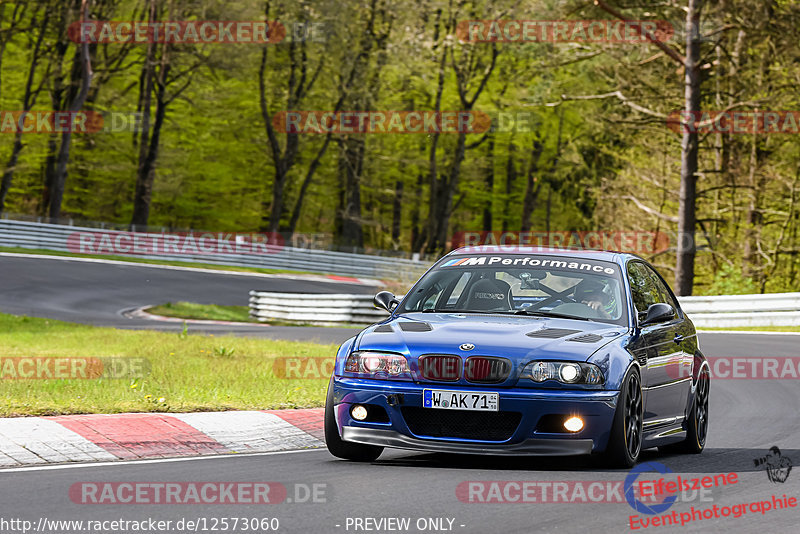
[597, 306]
[593, 304]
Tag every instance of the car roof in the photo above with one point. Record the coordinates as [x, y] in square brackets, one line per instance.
[603, 255]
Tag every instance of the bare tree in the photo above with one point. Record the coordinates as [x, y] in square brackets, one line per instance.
[687, 218]
[28, 100]
[164, 78]
[472, 72]
[85, 64]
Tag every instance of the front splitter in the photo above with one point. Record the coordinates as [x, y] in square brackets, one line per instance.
[532, 447]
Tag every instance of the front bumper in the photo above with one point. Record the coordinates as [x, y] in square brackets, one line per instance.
[596, 407]
[537, 447]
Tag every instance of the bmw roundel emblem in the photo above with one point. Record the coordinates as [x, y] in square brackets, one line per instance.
[467, 346]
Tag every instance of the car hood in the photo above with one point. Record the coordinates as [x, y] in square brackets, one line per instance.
[516, 338]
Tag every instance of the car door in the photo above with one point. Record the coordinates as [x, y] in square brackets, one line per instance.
[684, 337]
[655, 348]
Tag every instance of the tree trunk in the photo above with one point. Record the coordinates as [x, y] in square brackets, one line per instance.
[27, 102]
[351, 161]
[532, 188]
[58, 101]
[511, 177]
[9, 29]
[417, 236]
[298, 205]
[397, 212]
[140, 212]
[449, 189]
[147, 167]
[684, 271]
[82, 64]
[487, 210]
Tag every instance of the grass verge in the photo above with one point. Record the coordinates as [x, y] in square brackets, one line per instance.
[215, 312]
[187, 372]
[212, 312]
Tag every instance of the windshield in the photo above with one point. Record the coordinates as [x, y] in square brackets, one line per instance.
[524, 285]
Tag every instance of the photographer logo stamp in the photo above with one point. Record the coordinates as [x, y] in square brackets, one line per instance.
[778, 466]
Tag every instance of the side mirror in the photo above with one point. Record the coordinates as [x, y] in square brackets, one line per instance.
[385, 300]
[658, 313]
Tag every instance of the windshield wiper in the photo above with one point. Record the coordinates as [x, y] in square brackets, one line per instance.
[440, 310]
[551, 314]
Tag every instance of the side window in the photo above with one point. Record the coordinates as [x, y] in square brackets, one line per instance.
[643, 287]
[425, 297]
[664, 294]
[430, 301]
[444, 292]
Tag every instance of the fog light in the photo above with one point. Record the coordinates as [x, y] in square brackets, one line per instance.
[573, 424]
[359, 412]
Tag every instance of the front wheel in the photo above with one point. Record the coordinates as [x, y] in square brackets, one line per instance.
[625, 442]
[336, 445]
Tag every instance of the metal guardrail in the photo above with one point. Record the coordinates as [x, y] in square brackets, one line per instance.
[315, 309]
[727, 311]
[45, 236]
[730, 311]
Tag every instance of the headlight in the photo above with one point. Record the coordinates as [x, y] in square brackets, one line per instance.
[541, 371]
[564, 372]
[569, 372]
[380, 365]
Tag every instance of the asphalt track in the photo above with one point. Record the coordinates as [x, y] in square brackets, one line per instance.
[101, 294]
[747, 418]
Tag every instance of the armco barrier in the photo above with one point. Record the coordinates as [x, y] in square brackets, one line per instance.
[727, 311]
[43, 236]
[314, 309]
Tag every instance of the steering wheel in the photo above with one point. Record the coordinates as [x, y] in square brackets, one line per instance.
[578, 309]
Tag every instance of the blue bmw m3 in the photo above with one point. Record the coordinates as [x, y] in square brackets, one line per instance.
[520, 351]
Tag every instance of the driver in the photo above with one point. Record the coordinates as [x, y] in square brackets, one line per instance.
[590, 293]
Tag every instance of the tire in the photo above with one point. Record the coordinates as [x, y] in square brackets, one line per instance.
[625, 442]
[697, 422]
[355, 452]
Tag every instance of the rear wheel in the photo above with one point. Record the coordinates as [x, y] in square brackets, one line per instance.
[340, 448]
[697, 422]
[625, 442]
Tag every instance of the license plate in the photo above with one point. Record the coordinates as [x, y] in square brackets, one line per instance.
[460, 400]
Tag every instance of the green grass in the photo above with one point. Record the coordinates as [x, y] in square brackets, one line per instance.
[189, 372]
[215, 312]
[192, 310]
[134, 259]
[755, 328]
